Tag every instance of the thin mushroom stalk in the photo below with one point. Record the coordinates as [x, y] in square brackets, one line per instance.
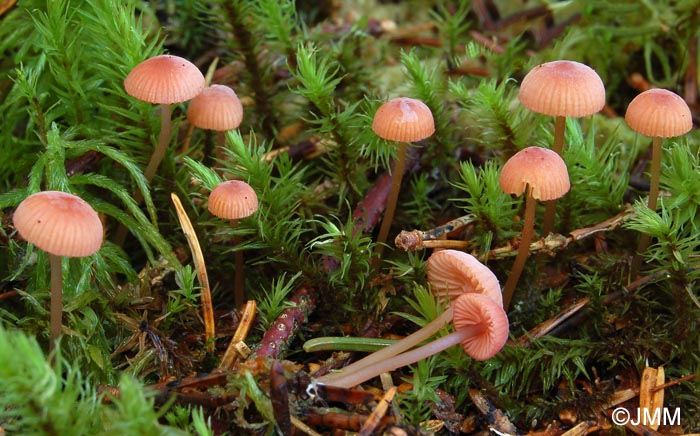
[481, 327]
[163, 141]
[56, 308]
[396, 179]
[398, 361]
[550, 208]
[392, 350]
[645, 239]
[523, 249]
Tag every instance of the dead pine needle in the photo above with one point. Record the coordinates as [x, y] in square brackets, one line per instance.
[232, 352]
[378, 413]
[201, 268]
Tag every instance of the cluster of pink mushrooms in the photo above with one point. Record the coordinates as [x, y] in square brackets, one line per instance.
[62, 224]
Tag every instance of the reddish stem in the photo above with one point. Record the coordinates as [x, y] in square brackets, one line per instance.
[523, 249]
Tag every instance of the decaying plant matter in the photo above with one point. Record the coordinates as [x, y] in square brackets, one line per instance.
[146, 347]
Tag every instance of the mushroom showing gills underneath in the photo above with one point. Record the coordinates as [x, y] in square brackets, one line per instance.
[561, 89]
[61, 224]
[217, 107]
[163, 80]
[481, 327]
[451, 273]
[541, 174]
[403, 120]
[233, 200]
[657, 113]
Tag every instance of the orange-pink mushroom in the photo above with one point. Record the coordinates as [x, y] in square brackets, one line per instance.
[61, 224]
[540, 174]
[403, 120]
[451, 273]
[481, 327]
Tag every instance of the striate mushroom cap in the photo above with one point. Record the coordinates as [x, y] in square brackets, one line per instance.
[403, 119]
[452, 273]
[476, 310]
[233, 199]
[59, 223]
[543, 169]
[659, 113]
[164, 79]
[217, 107]
[563, 88]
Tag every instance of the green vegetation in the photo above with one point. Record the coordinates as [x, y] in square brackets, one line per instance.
[311, 75]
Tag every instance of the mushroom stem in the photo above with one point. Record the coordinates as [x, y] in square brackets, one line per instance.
[550, 208]
[163, 140]
[392, 350]
[397, 175]
[407, 358]
[56, 308]
[152, 167]
[644, 239]
[655, 171]
[523, 249]
[238, 278]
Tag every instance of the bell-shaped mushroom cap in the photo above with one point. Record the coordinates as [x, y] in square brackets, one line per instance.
[217, 107]
[403, 119]
[479, 312]
[164, 79]
[452, 273]
[660, 113]
[563, 89]
[59, 223]
[543, 169]
[233, 199]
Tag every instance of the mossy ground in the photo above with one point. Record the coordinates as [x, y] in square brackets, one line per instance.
[310, 76]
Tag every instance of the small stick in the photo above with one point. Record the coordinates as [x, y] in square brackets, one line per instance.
[415, 239]
[302, 426]
[673, 382]
[232, 353]
[549, 325]
[198, 257]
[378, 413]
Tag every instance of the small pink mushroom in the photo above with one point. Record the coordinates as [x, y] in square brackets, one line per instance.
[481, 327]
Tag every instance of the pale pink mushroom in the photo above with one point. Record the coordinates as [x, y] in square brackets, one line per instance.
[451, 273]
[481, 327]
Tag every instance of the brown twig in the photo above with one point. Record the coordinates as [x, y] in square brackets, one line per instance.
[416, 239]
[673, 382]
